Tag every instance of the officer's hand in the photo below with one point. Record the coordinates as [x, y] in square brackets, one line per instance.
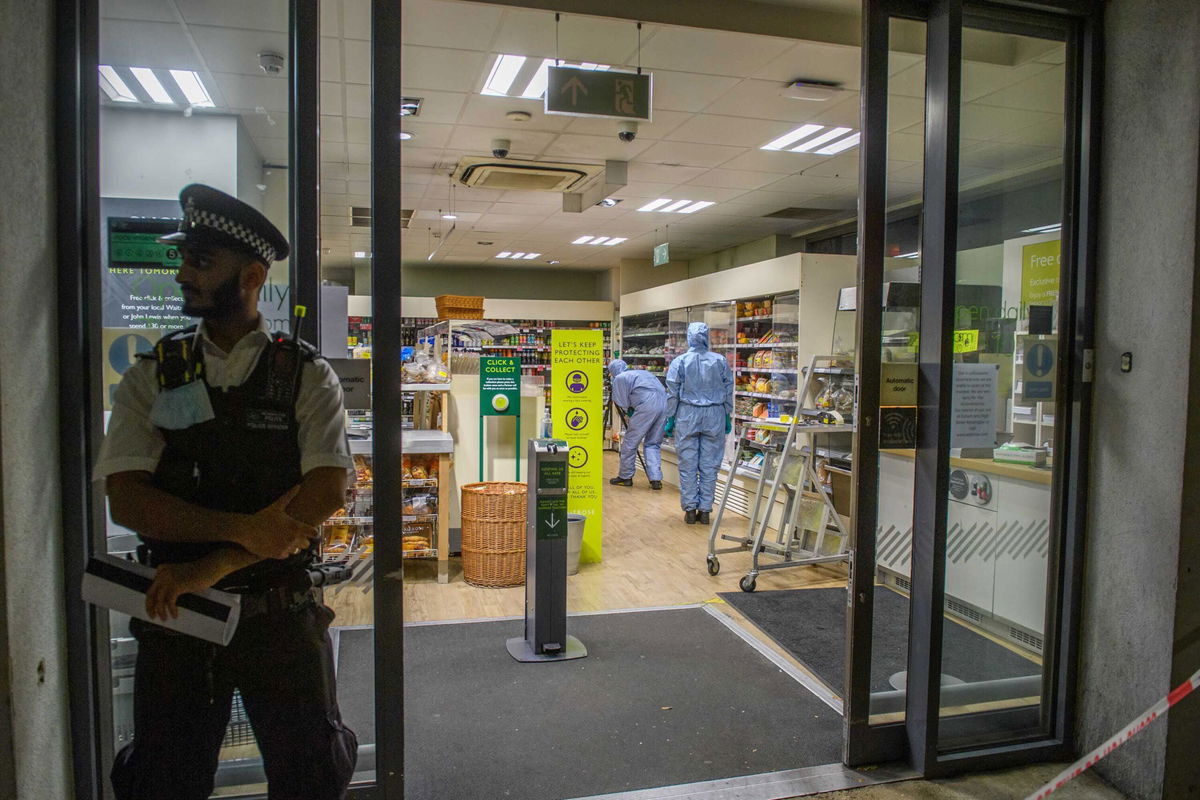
[273, 533]
[173, 580]
[669, 428]
[728, 424]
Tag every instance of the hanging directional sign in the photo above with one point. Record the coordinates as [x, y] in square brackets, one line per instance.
[596, 93]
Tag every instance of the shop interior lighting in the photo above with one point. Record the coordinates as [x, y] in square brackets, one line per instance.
[114, 86]
[361, 254]
[913, 254]
[192, 88]
[583, 240]
[817, 139]
[149, 81]
[515, 256]
[405, 136]
[666, 205]
[1057, 226]
[514, 76]
[791, 137]
[607, 241]
[615, 240]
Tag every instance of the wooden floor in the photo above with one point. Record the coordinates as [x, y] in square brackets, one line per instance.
[650, 558]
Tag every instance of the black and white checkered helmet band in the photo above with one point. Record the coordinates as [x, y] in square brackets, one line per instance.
[198, 217]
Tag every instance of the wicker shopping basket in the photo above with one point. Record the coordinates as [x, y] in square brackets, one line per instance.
[458, 306]
[493, 533]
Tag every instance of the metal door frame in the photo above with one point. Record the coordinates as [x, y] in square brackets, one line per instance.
[916, 738]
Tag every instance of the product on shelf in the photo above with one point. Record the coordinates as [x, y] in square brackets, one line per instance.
[362, 469]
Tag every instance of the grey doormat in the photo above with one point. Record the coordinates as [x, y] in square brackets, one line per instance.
[663, 698]
[811, 625]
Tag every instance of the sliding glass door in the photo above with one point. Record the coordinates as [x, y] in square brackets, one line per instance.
[974, 347]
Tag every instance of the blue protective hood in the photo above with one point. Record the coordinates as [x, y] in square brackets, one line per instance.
[698, 336]
[616, 367]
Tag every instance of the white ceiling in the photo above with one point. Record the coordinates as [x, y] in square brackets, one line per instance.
[716, 101]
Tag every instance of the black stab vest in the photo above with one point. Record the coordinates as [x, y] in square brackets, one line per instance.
[240, 461]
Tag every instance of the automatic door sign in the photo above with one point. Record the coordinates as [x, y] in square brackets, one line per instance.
[898, 428]
[1039, 368]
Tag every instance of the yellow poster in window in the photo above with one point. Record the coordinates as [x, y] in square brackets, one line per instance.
[577, 407]
[1039, 273]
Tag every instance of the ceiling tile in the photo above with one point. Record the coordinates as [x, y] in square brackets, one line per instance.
[484, 111]
[440, 68]
[358, 64]
[710, 52]
[440, 106]
[690, 154]
[358, 100]
[733, 179]
[479, 141]
[331, 22]
[682, 91]
[232, 50]
[436, 23]
[331, 59]
[358, 129]
[248, 92]
[774, 162]
[813, 184]
[660, 128]
[592, 149]
[356, 19]
[146, 44]
[736, 131]
[579, 38]
[762, 99]
[262, 15]
[1042, 92]
[331, 98]
[141, 10]
[817, 62]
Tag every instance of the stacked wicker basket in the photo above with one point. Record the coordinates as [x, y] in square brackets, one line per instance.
[493, 533]
[458, 306]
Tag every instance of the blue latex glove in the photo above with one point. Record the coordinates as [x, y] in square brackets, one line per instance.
[669, 428]
[629, 412]
[728, 424]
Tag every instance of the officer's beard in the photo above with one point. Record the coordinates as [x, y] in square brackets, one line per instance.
[226, 302]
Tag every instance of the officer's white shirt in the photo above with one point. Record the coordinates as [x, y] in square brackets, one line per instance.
[133, 443]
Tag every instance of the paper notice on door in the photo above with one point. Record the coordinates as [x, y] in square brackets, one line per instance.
[973, 412]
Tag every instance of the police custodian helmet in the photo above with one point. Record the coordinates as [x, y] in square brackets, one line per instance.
[212, 217]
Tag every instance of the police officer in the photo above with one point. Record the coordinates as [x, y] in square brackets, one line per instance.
[225, 452]
[644, 400]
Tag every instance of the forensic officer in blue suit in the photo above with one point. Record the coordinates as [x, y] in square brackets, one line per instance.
[644, 401]
[699, 415]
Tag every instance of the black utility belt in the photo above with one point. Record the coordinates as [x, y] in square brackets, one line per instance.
[276, 600]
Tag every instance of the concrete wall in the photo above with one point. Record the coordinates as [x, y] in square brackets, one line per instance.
[1147, 264]
[34, 731]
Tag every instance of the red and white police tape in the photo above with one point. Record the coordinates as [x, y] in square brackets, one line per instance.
[1151, 714]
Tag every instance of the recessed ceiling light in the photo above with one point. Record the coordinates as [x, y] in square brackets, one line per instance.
[791, 136]
[192, 88]
[599, 240]
[551, 262]
[1057, 226]
[449, 216]
[816, 141]
[405, 136]
[529, 256]
[114, 86]
[606, 241]
[837, 147]
[361, 254]
[913, 254]
[521, 255]
[504, 254]
[523, 76]
[666, 205]
[582, 240]
[825, 144]
[410, 106]
[609, 202]
[616, 240]
[149, 81]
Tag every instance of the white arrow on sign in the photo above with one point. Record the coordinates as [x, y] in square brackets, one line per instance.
[576, 86]
[553, 521]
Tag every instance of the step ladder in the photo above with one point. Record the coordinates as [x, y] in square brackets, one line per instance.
[788, 465]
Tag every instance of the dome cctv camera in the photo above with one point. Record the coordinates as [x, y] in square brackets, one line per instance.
[500, 147]
[627, 131]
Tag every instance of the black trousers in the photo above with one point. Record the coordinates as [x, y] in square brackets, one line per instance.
[282, 663]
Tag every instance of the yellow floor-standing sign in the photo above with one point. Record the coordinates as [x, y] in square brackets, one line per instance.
[577, 400]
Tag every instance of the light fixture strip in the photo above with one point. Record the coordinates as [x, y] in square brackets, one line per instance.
[599, 240]
[654, 205]
[149, 81]
[503, 73]
[792, 136]
[504, 254]
[582, 240]
[694, 207]
[616, 240]
[529, 256]
[114, 86]
[817, 141]
[837, 147]
[193, 88]
[537, 84]
[678, 204]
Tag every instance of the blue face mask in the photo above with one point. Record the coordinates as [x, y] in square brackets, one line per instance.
[183, 407]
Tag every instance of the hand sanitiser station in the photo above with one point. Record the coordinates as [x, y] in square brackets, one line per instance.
[546, 637]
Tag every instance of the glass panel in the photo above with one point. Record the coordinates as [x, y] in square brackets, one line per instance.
[999, 519]
[901, 301]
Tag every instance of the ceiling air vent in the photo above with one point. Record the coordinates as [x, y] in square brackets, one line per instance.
[526, 176]
[410, 106]
[800, 213]
[360, 217]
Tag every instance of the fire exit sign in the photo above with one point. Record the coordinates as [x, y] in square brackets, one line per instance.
[596, 93]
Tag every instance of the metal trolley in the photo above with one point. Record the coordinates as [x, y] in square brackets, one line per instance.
[791, 467]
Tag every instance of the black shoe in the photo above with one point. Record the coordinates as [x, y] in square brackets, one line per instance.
[689, 516]
[621, 481]
[656, 485]
[702, 517]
